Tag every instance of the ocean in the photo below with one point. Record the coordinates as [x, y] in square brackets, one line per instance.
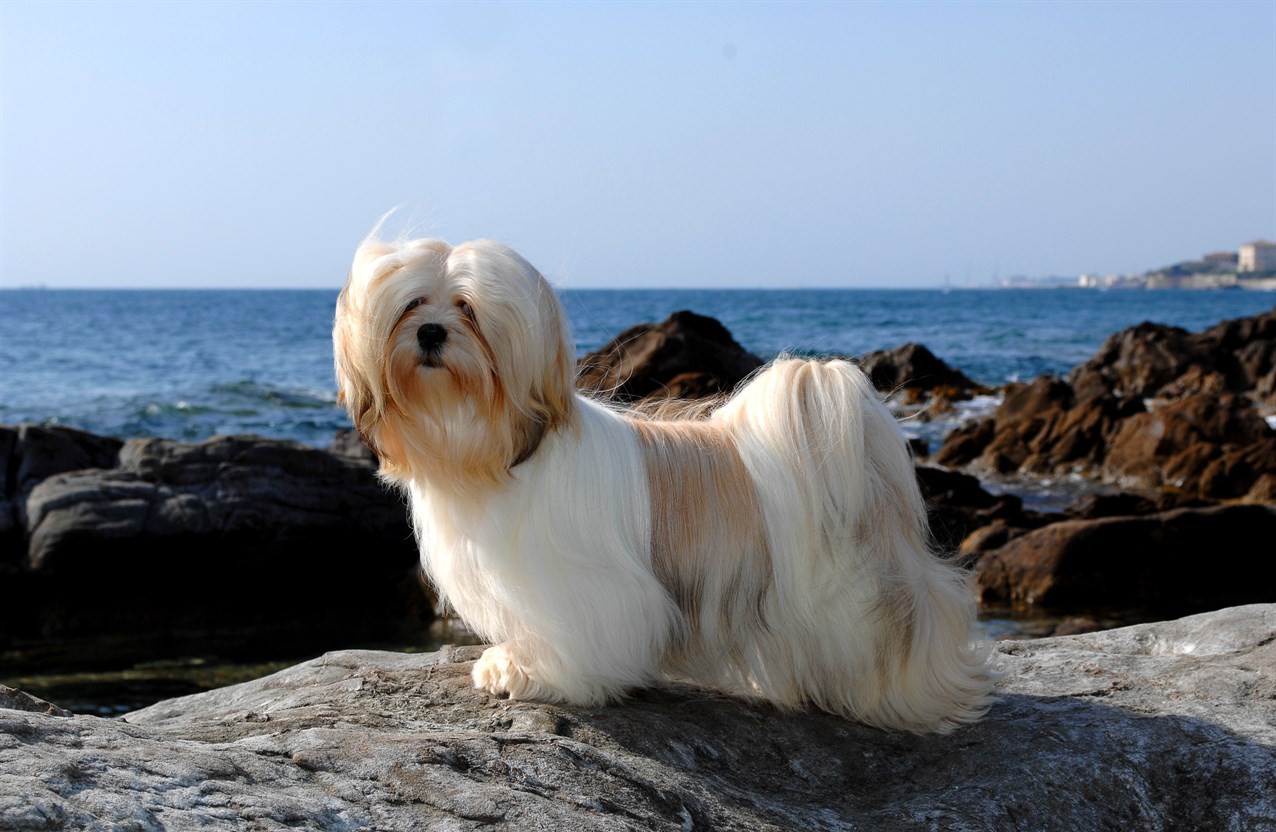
[189, 364]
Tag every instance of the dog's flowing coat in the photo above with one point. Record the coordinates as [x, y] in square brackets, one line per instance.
[777, 548]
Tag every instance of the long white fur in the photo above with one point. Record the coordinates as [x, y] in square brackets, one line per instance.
[577, 538]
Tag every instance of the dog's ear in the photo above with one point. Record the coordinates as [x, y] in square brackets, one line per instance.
[552, 392]
[355, 393]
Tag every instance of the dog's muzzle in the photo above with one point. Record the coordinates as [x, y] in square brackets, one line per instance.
[430, 337]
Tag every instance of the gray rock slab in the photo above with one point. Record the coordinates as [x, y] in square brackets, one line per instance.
[1154, 727]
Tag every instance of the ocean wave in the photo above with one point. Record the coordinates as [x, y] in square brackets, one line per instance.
[300, 414]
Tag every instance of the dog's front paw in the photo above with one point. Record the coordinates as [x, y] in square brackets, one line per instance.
[498, 672]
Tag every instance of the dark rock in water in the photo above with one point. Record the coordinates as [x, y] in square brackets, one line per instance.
[1207, 445]
[1094, 506]
[913, 367]
[686, 355]
[29, 454]
[957, 505]
[246, 497]
[1040, 427]
[1157, 361]
[1141, 360]
[1200, 433]
[1158, 726]
[233, 531]
[1181, 560]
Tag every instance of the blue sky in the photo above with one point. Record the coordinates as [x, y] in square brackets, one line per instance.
[616, 144]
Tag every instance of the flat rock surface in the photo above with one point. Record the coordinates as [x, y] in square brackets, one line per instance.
[1157, 726]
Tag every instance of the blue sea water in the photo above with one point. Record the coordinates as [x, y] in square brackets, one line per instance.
[190, 364]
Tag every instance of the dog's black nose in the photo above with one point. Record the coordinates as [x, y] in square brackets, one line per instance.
[431, 336]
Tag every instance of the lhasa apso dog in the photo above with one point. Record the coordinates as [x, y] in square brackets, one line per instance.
[777, 548]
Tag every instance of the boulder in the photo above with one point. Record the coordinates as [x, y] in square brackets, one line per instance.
[912, 367]
[1040, 427]
[1142, 359]
[31, 453]
[1185, 559]
[240, 497]
[1154, 360]
[234, 531]
[1158, 726]
[957, 506]
[688, 355]
[1214, 446]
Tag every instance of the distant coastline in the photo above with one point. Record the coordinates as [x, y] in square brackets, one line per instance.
[1251, 268]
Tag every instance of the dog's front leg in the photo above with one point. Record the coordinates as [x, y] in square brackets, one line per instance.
[506, 669]
[500, 671]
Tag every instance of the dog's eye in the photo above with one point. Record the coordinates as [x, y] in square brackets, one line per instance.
[413, 304]
[465, 309]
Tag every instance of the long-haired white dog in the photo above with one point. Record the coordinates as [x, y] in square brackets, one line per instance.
[777, 548]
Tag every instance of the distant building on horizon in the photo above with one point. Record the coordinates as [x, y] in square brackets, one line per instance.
[1220, 258]
[1258, 256]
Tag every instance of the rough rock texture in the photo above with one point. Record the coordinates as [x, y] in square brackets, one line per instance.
[1183, 559]
[1142, 361]
[912, 369]
[1156, 408]
[957, 506]
[1215, 446]
[1161, 726]
[1043, 427]
[685, 356]
[242, 494]
[213, 533]
[29, 454]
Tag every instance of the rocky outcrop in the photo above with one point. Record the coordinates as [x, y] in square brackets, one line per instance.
[1156, 408]
[912, 366]
[958, 507]
[1161, 726]
[31, 453]
[235, 531]
[685, 356]
[1185, 559]
[1158, 361]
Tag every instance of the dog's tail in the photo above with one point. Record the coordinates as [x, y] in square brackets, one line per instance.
[866, 619]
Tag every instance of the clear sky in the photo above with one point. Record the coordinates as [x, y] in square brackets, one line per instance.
[645, 144]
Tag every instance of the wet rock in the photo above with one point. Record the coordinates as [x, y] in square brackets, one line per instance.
[1156, 408]
[913, 367]
[31, 453]
[1186, 559]
[685, 355]
[1158, 726]
[234, 531]
[957, 505]
[1213, 446]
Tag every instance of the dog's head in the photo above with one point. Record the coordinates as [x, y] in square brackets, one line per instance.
[453, 363]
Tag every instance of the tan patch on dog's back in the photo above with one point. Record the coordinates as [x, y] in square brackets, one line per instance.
[708, 543]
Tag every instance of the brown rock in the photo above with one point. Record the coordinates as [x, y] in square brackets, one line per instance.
[1183, 559]
[1142, 359]
[688, 355]
[1213, 446]
[912, 367]
[1040, 427]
